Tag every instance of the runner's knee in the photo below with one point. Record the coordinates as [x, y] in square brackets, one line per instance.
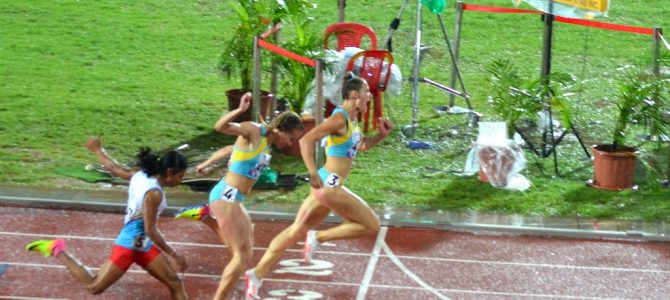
[372, 227]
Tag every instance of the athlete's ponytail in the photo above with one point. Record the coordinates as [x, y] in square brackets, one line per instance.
[286, 122]
[351, 83]
[151, 164]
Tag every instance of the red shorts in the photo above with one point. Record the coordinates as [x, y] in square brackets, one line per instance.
[123, 257]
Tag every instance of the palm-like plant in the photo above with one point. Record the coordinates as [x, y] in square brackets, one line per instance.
[255, 17]
[305, 41]
[643, 100]
[515, 98]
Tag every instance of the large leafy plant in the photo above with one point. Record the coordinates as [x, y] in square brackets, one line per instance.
[515, 98]
[255, 17]
[642, 100]
[301, 38]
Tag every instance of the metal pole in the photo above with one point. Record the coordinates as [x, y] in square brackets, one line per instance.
[457, 43]
[657, 51]
[393, 27]
[319, 108]
[256, 89]
[415, 69]
[341, 5]
[545, 73]
[454, 63]
[274, 80]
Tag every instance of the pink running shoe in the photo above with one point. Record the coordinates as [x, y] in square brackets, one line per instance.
[311, 245]
[252, 284]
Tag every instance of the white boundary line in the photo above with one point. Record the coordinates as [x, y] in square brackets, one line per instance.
[455, 260]
[532, 265]
[294, 281]
[411, 275]
[372, 264]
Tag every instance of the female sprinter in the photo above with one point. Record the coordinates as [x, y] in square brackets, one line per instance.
[343, 140]
[250, 157]
[140, 241]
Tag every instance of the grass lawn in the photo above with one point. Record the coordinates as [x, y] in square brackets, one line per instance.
[145, 73]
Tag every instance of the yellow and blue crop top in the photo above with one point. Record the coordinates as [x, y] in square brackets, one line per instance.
[343, 145]
[250, 163]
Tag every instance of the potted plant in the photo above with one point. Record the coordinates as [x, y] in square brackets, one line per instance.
[255, 17]
[297, 78]
[642, 100]
[518, 100]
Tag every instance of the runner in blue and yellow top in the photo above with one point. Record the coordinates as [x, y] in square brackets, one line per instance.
[250, 156]
[343, 140]
[139, 241]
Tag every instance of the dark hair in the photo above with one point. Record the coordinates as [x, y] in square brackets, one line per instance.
[351, 83]
[287, 121]
[151, 164]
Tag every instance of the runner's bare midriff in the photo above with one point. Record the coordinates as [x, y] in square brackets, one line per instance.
[339, 165]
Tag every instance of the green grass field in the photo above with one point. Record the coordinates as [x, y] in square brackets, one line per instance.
[145, 73]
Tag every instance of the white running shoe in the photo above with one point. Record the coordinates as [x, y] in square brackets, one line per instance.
[252, 284]
[311, 245]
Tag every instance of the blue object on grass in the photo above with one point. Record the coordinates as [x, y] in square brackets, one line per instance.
[414, 145]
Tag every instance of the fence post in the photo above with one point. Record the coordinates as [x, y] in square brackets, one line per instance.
[274, 80]
[340, 6]
[657, 50]
[256, 89]
[319, 110]
[457, 44]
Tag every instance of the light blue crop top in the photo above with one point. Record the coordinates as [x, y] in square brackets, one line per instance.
[343, 145]
[250, 163]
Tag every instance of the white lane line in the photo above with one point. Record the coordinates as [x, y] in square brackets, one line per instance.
[456, 260]
[372, 264]
[295, 281]
[533, 265]
[411, 275]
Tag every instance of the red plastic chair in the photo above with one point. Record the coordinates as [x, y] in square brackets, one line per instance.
[348, 34]
[375, 63]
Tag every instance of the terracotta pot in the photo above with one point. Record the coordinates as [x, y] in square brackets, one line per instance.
[234, 97]
[613, 170]
[294, 149]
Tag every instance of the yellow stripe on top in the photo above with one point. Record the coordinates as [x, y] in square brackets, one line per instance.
[343, 145]
[240, 155]
[250, 163]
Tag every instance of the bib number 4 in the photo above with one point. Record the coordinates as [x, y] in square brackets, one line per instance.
[229, 194]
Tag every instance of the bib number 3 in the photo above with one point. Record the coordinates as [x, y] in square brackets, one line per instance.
[333, 180]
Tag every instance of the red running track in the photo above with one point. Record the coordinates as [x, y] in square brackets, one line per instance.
[398, 263]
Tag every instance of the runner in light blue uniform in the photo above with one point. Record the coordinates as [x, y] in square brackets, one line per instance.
[343, 140]
[250, 156]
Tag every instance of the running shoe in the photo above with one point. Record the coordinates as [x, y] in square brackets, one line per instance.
[197, 212]
[252, 284]
[47, 247]
[311, 245]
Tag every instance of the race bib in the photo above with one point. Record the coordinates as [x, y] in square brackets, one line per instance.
[140, 243]
[229, 194]
[333, 180]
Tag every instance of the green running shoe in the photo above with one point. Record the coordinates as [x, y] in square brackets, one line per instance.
[196, 213]
[47, 247]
